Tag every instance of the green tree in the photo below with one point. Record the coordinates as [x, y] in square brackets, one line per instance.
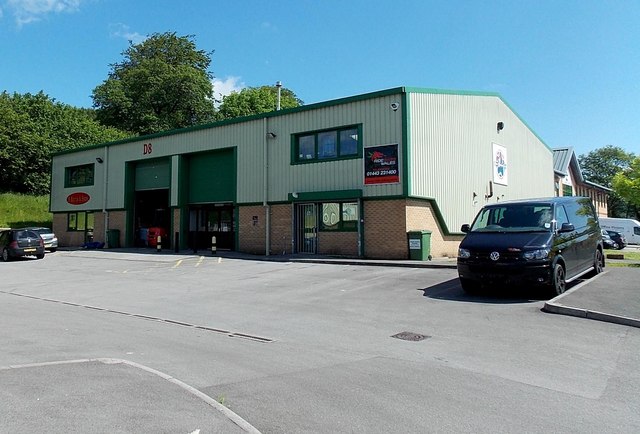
[627, 185]
[163, 83]
[600, 166]
[256, 100]
[32, 127]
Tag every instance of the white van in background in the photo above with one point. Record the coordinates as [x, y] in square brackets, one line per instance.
[629, 228]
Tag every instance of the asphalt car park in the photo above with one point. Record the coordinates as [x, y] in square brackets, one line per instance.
[305, 347]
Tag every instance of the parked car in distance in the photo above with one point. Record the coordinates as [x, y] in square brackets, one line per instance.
[49, 238]
[15, 243]
[541, 242]
[607, 242]
[618, 238]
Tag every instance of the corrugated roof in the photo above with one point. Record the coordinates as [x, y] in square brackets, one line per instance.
[561, 160]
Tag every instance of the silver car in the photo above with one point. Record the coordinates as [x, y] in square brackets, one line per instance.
[49, 238]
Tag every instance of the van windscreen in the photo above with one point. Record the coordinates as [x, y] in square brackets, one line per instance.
[514, 218]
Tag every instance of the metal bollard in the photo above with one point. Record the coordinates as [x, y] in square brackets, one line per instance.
[214, 249]
[159, 244]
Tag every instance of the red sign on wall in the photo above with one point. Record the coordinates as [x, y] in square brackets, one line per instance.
[78, 198]
[381, 165]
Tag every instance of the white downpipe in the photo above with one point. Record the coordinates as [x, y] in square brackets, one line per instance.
[265, 180]
[105, 179]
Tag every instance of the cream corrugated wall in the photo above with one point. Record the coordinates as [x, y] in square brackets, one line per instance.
[451, 154]
[381, 125]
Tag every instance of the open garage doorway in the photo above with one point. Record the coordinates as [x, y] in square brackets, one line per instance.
[151, 215]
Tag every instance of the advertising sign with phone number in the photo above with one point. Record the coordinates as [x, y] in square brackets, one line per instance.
[381, 165]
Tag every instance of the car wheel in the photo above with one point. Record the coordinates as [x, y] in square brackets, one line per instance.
[40, 256]
[558, 283]
[469, 286]
[5, 255]
[53, 249]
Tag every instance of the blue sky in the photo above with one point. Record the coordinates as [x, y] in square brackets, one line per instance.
[570, 69]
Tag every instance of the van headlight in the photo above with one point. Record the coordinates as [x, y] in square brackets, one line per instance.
[464, 254]
[536, 254]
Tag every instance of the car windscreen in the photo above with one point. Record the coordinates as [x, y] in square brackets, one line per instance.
[514, 218]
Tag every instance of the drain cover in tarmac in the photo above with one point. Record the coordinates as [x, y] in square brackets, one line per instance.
[410, 336]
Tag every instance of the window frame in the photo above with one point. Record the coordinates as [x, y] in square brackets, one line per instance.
[316, 158]
[87, 217]
[342, 225]
[70, 175]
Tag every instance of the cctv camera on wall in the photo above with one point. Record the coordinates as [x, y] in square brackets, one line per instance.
[395, 106]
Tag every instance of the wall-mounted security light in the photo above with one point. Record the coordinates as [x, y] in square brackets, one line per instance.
[295, 195]
[271, 135]
[99, 160]
[500, 126]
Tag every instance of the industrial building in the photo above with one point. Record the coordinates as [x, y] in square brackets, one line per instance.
[349, 177]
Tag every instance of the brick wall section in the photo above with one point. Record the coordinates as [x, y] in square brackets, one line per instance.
[385, 233]
[338, 243]
[98, 226]
[281, 231]
[251, 237]
[420, 216]
[118, 220]
[66, 239]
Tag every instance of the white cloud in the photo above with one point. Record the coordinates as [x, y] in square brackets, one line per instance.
[120, 30]
[29, 11]
[222, 88]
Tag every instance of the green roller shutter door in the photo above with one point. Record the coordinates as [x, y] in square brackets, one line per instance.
[212, 177]
[153, 175]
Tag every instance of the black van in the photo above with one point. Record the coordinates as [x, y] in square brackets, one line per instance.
[546, 242]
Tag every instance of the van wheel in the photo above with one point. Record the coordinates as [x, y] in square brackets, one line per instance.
[470, 287]
[5, 255]
[558, 284]
[598, 262]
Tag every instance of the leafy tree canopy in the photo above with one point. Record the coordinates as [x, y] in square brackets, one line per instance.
[32, 127]
[600, 166]
[163, 83]
[256, 100]
[627, 183]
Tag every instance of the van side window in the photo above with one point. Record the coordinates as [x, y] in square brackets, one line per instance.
[636, 230]
[581, 213]
[561, 216]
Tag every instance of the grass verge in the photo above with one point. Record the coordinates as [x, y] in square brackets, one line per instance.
[19, 210]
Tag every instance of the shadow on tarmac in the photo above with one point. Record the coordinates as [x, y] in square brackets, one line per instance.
[452, 291]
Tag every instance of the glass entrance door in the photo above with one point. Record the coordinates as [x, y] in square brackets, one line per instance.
[207, 221]
[307, 228]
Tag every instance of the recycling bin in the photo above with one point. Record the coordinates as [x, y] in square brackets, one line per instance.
[113, 238]
[419, 245]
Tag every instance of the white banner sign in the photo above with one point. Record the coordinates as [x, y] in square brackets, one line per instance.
[500, 165]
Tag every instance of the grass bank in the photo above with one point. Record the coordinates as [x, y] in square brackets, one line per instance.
[18, 210]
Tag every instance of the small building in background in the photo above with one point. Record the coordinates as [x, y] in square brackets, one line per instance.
[569, 180]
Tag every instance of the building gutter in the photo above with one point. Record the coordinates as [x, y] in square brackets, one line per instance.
[265, 181]
[105, 180]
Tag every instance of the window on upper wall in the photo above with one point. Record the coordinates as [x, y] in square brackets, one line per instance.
[339, 216]
[78, 176]
[335, 144]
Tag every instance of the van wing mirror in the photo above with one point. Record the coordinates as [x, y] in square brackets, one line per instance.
[465, 228]
[567, 227]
